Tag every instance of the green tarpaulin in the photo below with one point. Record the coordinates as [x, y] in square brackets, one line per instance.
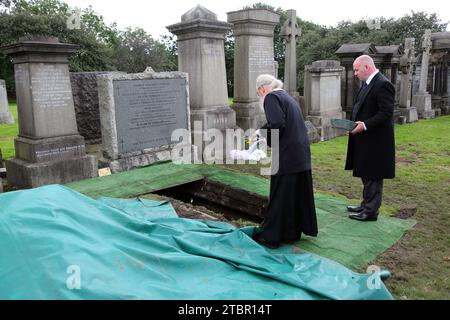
[349, 242]
[56, 243]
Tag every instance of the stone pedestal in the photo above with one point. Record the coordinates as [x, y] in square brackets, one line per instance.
[5, 116]
[422, 101]
[410, 114]
[324, 97]
[201, 54]
[48, 148]
[253, 56]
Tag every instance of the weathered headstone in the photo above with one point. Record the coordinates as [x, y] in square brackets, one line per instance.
[440, 59]
[5, 115]
[253, 56]
[138, 114]
[422, 99]
[407, 62]
[85, 99]
[201, 54]
[49, 148]
[290, 32]
[323, 95]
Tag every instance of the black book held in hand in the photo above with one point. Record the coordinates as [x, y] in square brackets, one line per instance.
[343, 124]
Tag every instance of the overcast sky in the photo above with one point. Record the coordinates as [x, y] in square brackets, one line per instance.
[154, 16]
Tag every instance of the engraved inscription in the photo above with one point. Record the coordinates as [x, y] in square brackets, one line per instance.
[148, 111]
[61, 152]
[51, 86]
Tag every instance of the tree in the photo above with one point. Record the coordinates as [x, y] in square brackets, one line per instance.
[137, 50]
[102, 47]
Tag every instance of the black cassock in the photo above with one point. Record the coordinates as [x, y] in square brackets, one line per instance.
[291, 209]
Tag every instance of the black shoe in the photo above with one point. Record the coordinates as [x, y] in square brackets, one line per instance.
[364, 216]
[357, 209]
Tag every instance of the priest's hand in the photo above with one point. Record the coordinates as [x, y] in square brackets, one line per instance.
[255, 136]
[359, 128]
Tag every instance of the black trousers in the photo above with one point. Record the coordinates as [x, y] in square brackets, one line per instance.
[291, 209]
[372, 195]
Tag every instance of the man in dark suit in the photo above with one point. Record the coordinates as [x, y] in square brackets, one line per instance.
[371, 145]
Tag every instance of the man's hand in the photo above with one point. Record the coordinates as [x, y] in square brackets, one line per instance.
[359, 128]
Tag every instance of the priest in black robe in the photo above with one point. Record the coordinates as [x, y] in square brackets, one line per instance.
[291, 210]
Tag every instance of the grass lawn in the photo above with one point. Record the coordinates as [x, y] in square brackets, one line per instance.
[420, 261]
[7, 134]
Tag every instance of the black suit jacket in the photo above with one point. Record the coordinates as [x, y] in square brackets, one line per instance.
[371, 154]
[283, 113]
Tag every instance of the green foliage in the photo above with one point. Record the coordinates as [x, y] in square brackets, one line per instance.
[7, 134]
[137, 50]
[319, 42]
[102, 47]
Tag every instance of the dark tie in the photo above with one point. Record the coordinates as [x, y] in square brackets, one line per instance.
[361, 90]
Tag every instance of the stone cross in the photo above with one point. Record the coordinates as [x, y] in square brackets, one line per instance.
[426, 47]
[407, 67]
[290, 32]
[422, 99]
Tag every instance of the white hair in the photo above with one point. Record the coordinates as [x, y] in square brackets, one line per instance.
[268, 80]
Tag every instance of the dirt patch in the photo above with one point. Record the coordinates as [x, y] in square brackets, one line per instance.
[406, 212]
[189, 211]
[405, 162]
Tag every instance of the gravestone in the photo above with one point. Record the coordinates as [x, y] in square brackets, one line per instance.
[85, 99]
[49, 148]
[138, 114]
[440, 59]
[407, 62]
[5, 116]
[201, 54]
[253, 55]
[290, 32]
[448, 84]
[422, 99]
[323, 95]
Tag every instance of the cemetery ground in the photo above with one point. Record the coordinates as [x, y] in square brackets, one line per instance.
[420, 261]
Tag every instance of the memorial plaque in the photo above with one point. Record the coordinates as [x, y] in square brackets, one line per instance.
[148, 111]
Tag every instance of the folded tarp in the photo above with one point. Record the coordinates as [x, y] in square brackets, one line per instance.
[56, 243]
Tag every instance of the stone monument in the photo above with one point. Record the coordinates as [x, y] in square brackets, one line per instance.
[5, 116]
[201, 54]
[85, 99]
[407, 62]
[290, 32]
[49, 148]
[422, 100]
[139, 113]
[440, 59]
[253, 56]
[323, 96]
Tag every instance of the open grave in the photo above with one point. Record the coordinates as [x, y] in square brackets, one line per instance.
[239, 196]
